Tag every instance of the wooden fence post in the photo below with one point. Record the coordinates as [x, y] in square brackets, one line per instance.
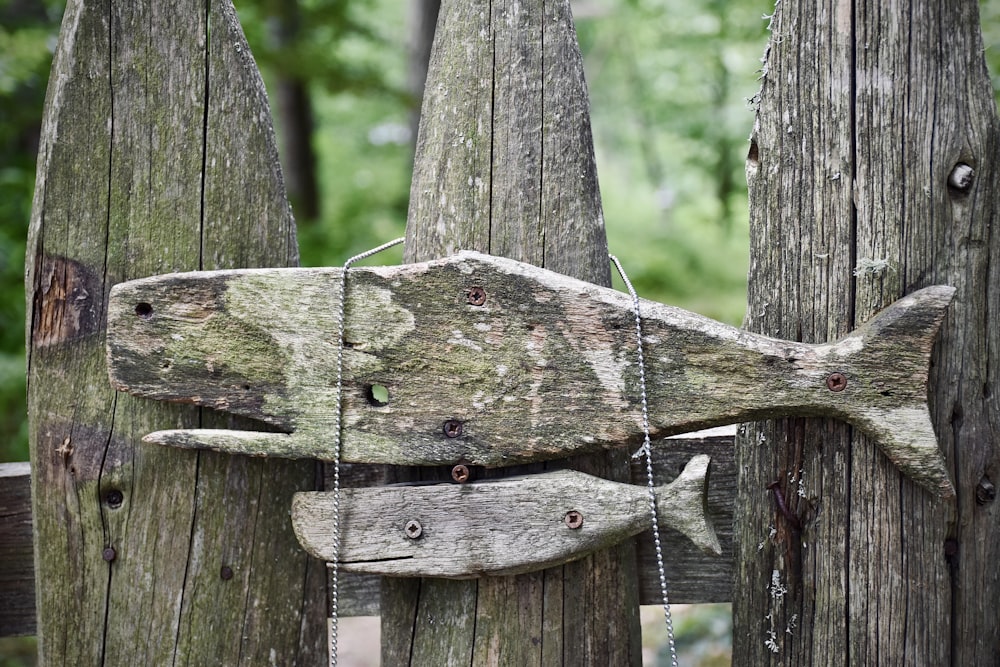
[872, 173]
[505, 165]
[157, 155]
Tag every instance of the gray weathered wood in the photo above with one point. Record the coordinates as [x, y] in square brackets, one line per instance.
[505, 87]
[520, 371]
[507, 526]
[157, 155]
[694, 575]
[17, 571]
[866, 110]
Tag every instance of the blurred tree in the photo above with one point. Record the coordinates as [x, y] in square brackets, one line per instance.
[302, 47]
[423, 21]
[28, 30]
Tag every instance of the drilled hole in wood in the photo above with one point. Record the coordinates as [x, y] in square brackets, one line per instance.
[377, 395]
[114, 498]
[144, 310]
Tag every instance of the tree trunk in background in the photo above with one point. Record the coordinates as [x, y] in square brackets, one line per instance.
[296, 121]
[868, 110]
[504, 165]
[157, 155]
[423, 21]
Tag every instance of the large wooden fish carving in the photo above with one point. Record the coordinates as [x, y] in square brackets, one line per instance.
[483, 360]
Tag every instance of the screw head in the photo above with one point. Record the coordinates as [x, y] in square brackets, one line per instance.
[475, 295]
[573, 519]
[836, 382]
[452, 428]
[460, 473]
[226, 573]
[109, 554]
[413, 529]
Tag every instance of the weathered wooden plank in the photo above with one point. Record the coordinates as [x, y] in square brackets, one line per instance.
[493, 362]
[506, 526]
[150, 116]
[694, 575]
[866, 112]
[564, 615]
[17, 570]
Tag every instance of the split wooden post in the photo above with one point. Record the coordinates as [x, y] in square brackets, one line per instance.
[873, 172]
[157, 155]
[505, 165]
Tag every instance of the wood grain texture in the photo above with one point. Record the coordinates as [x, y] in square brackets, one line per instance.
[693, 576]
[507, 526]
[156, 130]
[865, 111]
[517, 370]
[485, 58]
[17, 571]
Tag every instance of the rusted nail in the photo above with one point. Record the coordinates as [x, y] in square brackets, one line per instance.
[476, 296]
[226, 573]
[144, 310]
[452, 428]
[779, 498]
[114, 498]
[413, 529]
[986, 492]
[961, 176]
[109, 554]
[573, 519]
[836, 382]
[460, 473]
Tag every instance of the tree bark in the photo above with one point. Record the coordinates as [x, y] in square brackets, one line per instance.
[504, 165]
[296, 120]
[157, 155]
[858, 195]
[423, 22]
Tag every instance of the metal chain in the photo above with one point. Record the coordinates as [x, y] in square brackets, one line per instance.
[647, 450]
[333, 565]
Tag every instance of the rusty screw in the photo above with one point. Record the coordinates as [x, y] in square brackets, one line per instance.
[413, 529]
[476, 296]
[836, 382]
[460, 473]
[452, 428]
[573, 519]
[109, 554]
[226, 573]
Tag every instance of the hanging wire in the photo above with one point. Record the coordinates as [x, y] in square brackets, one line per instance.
[333, 564]
[647, 451]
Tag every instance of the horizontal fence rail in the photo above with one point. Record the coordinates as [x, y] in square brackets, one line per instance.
[693, 576]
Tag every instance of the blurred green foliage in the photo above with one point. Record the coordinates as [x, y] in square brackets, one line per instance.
[669, 80]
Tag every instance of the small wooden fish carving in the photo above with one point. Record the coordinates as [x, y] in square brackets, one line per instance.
[507, 526]
[492, 362]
